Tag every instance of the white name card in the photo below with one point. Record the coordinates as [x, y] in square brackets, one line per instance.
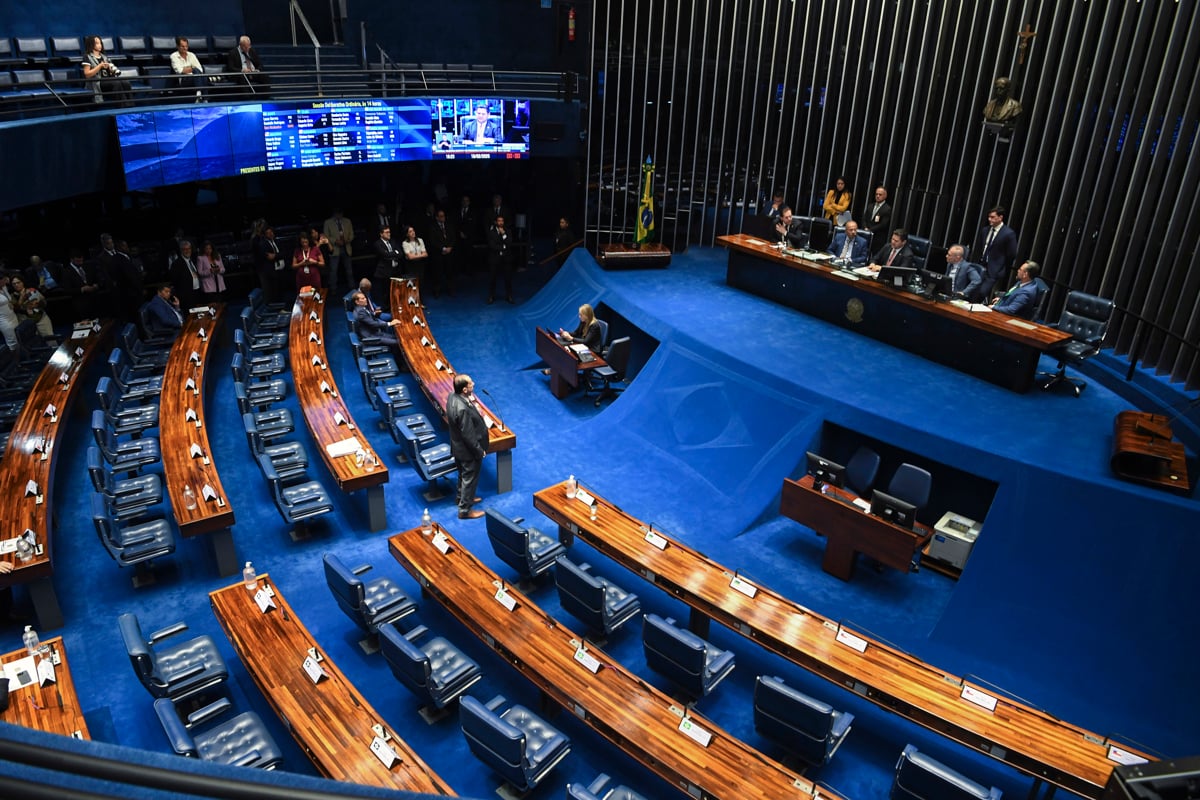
[426, 343]
[746, 588]
[981, 699]
[850, 640]
[202, 334]
[694, 732]
[263, 598]
[313, 669]
[194, 451]
[439, 364]
[656, 540]
[411, 285]
[208, 492]
[441, 543]
[45, 671]
[313, 316]
[584, 497]
[384, 752]
[39, 444]
[1123, 756]
[412, 301]
[589, 661]
[327, 389]
[79, 352]
[31, 487]
[190, 384]
[317, 362]
[194, 357]
[505, 599]
[64, 377]
[863, 504]
[341, 420]
[312, 337]
[51, 412]
[416, 320]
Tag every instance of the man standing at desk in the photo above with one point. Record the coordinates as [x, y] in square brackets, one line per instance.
[849, 247]
[1022, 299]
[879, 214]
[468, 443]
[995, 250]
[387, 264]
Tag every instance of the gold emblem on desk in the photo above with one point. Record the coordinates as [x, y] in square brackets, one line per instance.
[854, 310]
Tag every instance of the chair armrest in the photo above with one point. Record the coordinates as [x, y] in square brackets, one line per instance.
[584, 567]
[361, 569]
[145, 538]
[191, 673]
[518, 520]
[249, 758]
[495, 702]
[170, 630]
[416, 633]
[210, 711]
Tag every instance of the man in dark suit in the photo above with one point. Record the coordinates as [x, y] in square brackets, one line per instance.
[126, 277]
[387, 265]
[896, 253]
[995, 250]
[848, 246]
[468, 443]
[879, 215]
[163, 316]
[1022, 299]
[499, 260]
[244, 60]
[185, 276]
[483, 129]
[792, 232]
[467, 227]
[369, 326]
[440, 245]
[80, 281]
[965, 277]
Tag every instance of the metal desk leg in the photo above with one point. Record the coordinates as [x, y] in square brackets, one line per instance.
[223, 549]
[504, 471]
[45, 604]
[376, 509]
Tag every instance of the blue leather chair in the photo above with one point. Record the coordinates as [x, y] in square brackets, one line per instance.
[861, 471]
[601, 605]
[599, 789]
[371, 604]
[125, 498]
[527, 550]
[135, 544]
[124, 416]
[152, 359]
[919, 777]
[178, 672]
[431, 463]
[289, 459]
[260, 394]
[911, 484]
[266, 315]
[437, 672]
[128, 456]
[298, 500]
[517, 744]
[807, 727]
[261, 338]
[375, 372]
[1086, 318]
[684, 658]
[260, 364]
[135, 383]
[241, 742]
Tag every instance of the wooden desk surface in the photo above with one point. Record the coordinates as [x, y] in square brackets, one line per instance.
[850, 530]
[437, 384]
[1018, 330]
[330, 720]
[53, 708]
[619, 705]
[22, 462]
[189, 361]
[1030, 740]
[321, 407]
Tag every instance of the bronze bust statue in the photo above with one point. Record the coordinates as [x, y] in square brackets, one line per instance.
[1002, 108]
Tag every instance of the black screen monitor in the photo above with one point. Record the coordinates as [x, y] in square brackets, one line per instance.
[893, 509]
[825, 471]
[935, 283]
[896, 277]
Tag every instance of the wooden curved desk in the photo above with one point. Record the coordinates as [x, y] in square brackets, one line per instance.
[181, 438]
[330, 720]
[617, 704]
[326, 414]
[423, 356]
[1030, 740]
[53, 708]
[32, 446]
[565, 367]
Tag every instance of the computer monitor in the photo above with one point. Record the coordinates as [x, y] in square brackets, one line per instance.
[935, 283]
[896, 277]
[893, 509]
[820, 234]
[825, 471]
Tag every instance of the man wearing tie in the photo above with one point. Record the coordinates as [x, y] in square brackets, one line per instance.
[468, 443]
[849, 247]
[995, 250]
[382, 218]
[441, 255]
[387, 264]
[244, 60]
[791, 231]
[162, 313]
[879, 215]
[896, 253]
[185, 276]
[269, 265]
[340, 233]
[482, 129]
[965, 277]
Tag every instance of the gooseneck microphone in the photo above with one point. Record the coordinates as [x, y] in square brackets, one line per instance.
[495, 407]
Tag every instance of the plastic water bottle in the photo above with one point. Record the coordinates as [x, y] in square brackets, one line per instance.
[31, 640]
[24, 549]
[426, 523]
[572, 486]
[249, 578]
[189, 498]
[592, 510]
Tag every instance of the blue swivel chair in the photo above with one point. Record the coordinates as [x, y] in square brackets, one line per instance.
[261, 338]
[919, 777]
[1086, 318]
[241, 742]
[518, 744]
[436, 671]
[911, 484]
[177, 672]
[527, 550]
[299, 501]
[135, 544]
[807, 727]
[861, 471]
[124, 416]
[598, 603]
[599, 789]
[696, 666]
[135, 383]
[260, 394]
[289, 459]
[258, 364]
[125, 498]
[431, 462]
[127, 456]
[371, 604]
[616, 371]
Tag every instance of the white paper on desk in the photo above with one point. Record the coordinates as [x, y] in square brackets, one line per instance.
[82, 334]
[8, 545]
[312, 337]
[488, 421]
[979, 307]
[866, 272]
[45, 672]
[981, 699]
[194, 357]
[31, 487]
[441, 543]
[863, 504]
[21, 673]
[1123, 756]
[384, 752]
[263, 598]
[313, 669]
[1020, 323]
[694, 732]
[813, 255]
[208, 492]
[345, 447]
[190, 415]
[199, 310]
[194, 451]
[850, 640]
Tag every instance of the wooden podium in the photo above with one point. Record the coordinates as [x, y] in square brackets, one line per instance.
[1144, 452]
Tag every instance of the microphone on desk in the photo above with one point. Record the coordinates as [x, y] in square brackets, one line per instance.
[495, 406]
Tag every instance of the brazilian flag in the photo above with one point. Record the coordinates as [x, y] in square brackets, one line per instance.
[645, 216]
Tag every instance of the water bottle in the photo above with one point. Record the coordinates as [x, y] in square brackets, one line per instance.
[24, 549]
[30, 637]
[189, 498]
[572, 486]
[592, 510]
[426, 523]
[249, 578]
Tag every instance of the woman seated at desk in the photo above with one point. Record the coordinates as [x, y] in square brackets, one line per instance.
[588, 332]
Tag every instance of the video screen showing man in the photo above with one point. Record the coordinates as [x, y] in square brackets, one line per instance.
[482, 127]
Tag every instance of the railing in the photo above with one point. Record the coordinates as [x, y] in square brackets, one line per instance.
[295, 11]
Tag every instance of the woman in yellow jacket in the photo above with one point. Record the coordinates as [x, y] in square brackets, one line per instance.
[837, 201]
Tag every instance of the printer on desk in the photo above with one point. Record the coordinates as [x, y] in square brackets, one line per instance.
[953, 537]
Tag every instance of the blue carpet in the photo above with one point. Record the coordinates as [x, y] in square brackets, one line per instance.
[1078, 597]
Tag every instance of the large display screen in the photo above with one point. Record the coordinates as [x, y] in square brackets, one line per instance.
[200, 142]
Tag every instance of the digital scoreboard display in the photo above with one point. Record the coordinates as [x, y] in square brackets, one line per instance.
[328, 134]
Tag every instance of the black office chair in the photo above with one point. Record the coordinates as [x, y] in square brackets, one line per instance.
[614, 372]
[911, 484]
[861, 470]
[920, 250]
[919, 777]
[1086, 318]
